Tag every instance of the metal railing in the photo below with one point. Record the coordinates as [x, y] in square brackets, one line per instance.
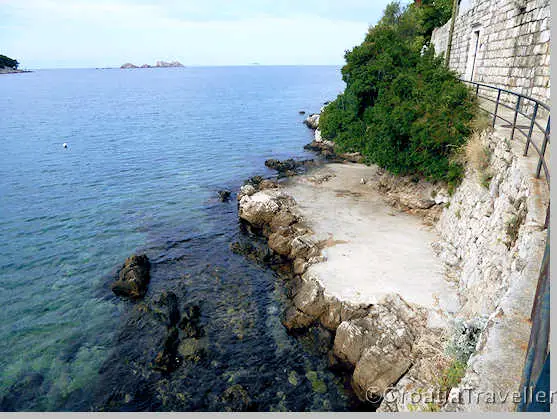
[535, 120]
[535, 373]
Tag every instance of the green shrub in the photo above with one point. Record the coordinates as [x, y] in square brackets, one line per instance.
[402, 108]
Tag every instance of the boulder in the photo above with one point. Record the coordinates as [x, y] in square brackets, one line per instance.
[133, 277]
[280, 241]
[246, 190]
[379, 346]
[284, 218]
[260, 208]
[312, 121]
[294, 319]
[308, 297]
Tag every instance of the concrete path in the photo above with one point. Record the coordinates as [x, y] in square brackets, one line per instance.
[372, 249]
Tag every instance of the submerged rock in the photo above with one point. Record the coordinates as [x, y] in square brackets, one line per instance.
[133, 277]
[189, 323]
[166, 359]
[193, 349]
[236, 399]
[224, 195]
[166, 307]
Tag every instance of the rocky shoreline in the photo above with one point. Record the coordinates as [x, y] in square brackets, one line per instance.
[377, 344]
[7, 70]
[389, 345]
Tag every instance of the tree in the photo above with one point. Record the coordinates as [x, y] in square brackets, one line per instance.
[8, 62]
[402, 109]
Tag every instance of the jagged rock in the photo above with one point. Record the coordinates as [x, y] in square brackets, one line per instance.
[133, 277]
[166, 360]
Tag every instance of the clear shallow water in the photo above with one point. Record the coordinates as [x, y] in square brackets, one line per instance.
[148, 149]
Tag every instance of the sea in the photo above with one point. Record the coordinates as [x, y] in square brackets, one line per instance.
[147, 152]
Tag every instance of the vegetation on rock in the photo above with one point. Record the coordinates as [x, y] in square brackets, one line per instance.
[402, 108]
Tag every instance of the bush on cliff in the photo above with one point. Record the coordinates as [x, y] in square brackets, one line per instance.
[402, 108]
[8, 62]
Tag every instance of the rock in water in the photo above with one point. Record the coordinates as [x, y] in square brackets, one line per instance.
[236, 399]
[224, 195]
[133, 278]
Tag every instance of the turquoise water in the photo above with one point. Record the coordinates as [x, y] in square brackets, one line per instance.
[147, 152]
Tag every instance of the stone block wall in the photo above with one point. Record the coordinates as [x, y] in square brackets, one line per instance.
[513, 45]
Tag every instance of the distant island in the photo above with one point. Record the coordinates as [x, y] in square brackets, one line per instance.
[9, 65]
[158, 64]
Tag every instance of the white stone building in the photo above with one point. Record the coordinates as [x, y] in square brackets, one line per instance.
[505, 43]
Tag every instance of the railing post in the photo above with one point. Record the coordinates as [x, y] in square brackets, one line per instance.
[544, 146]
[515, 116]
[496, 107]
[477, 89]
[529, 139]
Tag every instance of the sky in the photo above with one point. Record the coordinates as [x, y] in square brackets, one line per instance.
[103, 33]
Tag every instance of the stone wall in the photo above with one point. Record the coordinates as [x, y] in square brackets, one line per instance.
[513, 45]
[492, 240]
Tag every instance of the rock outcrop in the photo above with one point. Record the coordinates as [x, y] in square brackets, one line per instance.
[324, 147]
[133, 277]
[375, 342]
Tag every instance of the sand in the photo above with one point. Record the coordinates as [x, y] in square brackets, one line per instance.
[372, 249]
